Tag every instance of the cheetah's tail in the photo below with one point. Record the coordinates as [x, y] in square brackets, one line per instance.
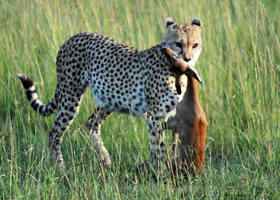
[32, 96]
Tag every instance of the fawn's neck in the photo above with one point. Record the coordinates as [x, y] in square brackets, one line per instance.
[192, 92]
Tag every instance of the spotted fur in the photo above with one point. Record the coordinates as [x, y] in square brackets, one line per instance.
[122, 79]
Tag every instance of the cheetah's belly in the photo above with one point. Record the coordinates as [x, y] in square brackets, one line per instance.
[121, 99]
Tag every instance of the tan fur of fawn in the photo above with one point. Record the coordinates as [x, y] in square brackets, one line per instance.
[189, 124]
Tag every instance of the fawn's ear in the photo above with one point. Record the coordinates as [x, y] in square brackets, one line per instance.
[170, 24]
[196, 22]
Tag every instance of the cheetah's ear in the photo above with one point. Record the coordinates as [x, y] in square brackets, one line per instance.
[196, 22]
[170, 23]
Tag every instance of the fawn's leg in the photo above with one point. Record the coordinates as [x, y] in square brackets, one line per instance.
[200, 145]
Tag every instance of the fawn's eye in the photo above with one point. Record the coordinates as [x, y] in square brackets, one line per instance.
[195, 45]
[179, 44]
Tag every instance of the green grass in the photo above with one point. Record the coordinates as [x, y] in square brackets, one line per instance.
[240, 64]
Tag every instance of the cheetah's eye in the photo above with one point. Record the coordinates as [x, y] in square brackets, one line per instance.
[195, 45]
[178, 44]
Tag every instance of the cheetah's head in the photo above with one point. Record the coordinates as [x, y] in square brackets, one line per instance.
[184, 39]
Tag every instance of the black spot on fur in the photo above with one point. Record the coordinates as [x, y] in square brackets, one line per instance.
[162, 144]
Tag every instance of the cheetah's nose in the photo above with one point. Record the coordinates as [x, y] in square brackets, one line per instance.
[187, 59]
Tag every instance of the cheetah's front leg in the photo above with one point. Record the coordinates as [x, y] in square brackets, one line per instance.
[156, 137]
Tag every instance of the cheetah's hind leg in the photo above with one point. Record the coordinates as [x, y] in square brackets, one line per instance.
[67, 109]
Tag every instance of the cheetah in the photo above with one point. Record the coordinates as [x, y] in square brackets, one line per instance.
[121, 78]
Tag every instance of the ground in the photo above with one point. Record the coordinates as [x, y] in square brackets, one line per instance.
[240, 64]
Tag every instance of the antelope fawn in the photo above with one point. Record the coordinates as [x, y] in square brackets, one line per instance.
[189, 125]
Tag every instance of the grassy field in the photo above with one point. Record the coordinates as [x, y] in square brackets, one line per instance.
[240, 64]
